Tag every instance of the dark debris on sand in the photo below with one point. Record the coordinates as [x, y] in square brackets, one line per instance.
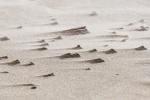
[74, 31]
[141, 48]
[4, 38]
[29, 64]
[3, 57]
[93, 50]
[142, 28]
[15, 62]
[77, 47]
[114, 36]
[4, 72]
[57, 38]
[93, 13]
[54, 23]
[87, 69]
[94, 61]
[19, 27]
[123, 40]
[47, 75]
[110, 51]
[41, 49]
[70, 55]
[32, 86]
[41, 41]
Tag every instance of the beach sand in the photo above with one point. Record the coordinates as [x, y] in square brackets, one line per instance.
[74, 50]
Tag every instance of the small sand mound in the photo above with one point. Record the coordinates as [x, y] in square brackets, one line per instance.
[141, 21]
[93, 50]
[94, 61]
[43, 44]
[142, 28]
[73, 31]
[141, 48]
[4, 38]
[114, 32]
[57, 38]
[130, 24]
[29, 64]
[47, 75]
[41, 41]
[15, 62]
[3, 57]
[77, 47]
[54, 23]
[70, 55]
[123, 40]
[119, 28]
[19, 27]
[93, 13]
[113, 36]
[53, 19]
[110, 51]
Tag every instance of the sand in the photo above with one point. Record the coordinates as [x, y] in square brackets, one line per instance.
[74, 50]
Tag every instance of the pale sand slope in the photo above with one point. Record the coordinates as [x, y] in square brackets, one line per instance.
[31, 31]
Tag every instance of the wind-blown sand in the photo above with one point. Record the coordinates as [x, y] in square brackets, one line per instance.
[74, 50]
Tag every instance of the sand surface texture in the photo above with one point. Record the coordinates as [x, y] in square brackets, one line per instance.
[74, 50]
